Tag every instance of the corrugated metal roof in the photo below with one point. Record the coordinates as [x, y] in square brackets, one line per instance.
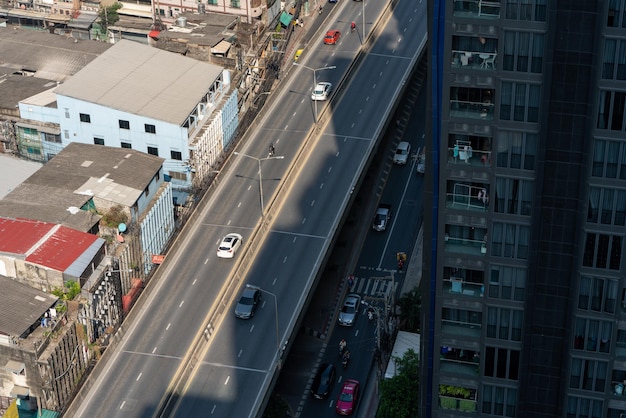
[142, 80]
[18, 236]
[53, 246]
[22, 306]
[62, 248]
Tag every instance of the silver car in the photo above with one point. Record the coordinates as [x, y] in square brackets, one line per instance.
[401, 156]
[247, 304]
[349, 310]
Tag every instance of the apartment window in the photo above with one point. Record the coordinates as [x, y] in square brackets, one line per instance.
[523, 52]
[66, 134]
[578, 407]
[504, 323]
[499, 401]
[176, 155]
[178, 175]
[54, 138]
[98, 141]
[212, 2]
[235, 3]
[153, 151]
[614, 59]
[510, 241]
[151, 129]
[611, 106]
[526, 10]
[507, 283]
[597, 294]
[606, 206]
[67, 113]
[593, 335]
[516, 150]
[519, 102]
[609, 159]
[501, 363]
[85, 118]
[588, 375]
[615, 16]
[514, 196]
[126, 145]
[602, 251]
[124, 124]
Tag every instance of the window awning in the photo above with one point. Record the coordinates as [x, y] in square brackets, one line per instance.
[19, 391]
[16, 367]
[221, 48]
[285, 19]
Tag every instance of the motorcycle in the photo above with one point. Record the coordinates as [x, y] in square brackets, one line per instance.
[370, 314]
[271, 151]
[345, 360]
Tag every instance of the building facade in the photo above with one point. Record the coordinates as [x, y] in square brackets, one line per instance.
[524, 293]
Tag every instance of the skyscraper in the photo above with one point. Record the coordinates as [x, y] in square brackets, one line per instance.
[523, 287]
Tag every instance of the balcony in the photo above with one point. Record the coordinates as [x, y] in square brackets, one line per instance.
[461, 362]
[463, 240]
[460, 329]
[478, 152]
[457, 398]
[474, 60]
[471, 103]
[456, 285]
[477, 8]
[467, 197]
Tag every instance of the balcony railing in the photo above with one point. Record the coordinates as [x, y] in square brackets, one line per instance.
[464, 246]
[472, 110]
[457, 285]
[477, 8]
[478, 158]
[474, 59]
[461, 329]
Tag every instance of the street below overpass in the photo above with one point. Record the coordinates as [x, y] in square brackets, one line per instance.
[182, 352]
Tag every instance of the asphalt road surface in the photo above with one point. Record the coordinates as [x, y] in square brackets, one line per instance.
[239, 364]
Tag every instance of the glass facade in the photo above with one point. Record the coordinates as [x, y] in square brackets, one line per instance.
[526, 291]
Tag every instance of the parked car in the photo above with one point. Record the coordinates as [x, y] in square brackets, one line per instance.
[297, 55]
[403, 151]
[229, 245]
[246, 307]
[321, 91]
[349, 310]
[348, 397]
[323, 381]
[332, 36]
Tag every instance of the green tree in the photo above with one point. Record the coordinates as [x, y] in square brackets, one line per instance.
[399, 395]
[410, 310]
[108, 15]
[68, 292]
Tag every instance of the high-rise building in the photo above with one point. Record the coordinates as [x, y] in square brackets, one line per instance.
[524, 291]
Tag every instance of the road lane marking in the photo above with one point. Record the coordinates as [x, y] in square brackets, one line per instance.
[294, 240]
[182, 302]
[284, 260]
[138, 377]
[241, 351]
[153, 350]
[303, 221]
[122, 405]
[252, 328]
[312, 203]
[227, 379]
[168, 326]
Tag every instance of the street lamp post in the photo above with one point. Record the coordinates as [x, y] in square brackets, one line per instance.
[250, 286]
[315, 70]
[278, 157]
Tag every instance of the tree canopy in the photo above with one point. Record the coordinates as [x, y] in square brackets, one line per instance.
[108, 15]
[399, 396]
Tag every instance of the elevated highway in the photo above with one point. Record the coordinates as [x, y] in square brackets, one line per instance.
[183, 353]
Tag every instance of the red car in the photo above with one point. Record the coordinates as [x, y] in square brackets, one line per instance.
[332, 36]
[347, 397]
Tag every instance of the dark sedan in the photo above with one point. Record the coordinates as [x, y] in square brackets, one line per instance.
[323, 381]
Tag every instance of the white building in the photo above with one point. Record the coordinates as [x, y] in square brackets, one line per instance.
[153, 101]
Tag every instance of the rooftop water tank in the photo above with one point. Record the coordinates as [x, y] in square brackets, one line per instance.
[181, 21]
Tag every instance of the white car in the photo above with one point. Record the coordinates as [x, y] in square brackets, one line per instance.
[321, 91]
[229, 245]
[401, 156]
[349, 310]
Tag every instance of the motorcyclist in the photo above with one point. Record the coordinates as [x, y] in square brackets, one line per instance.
[271, 150]
[352, 26]
[342, 345]
[346, 357]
